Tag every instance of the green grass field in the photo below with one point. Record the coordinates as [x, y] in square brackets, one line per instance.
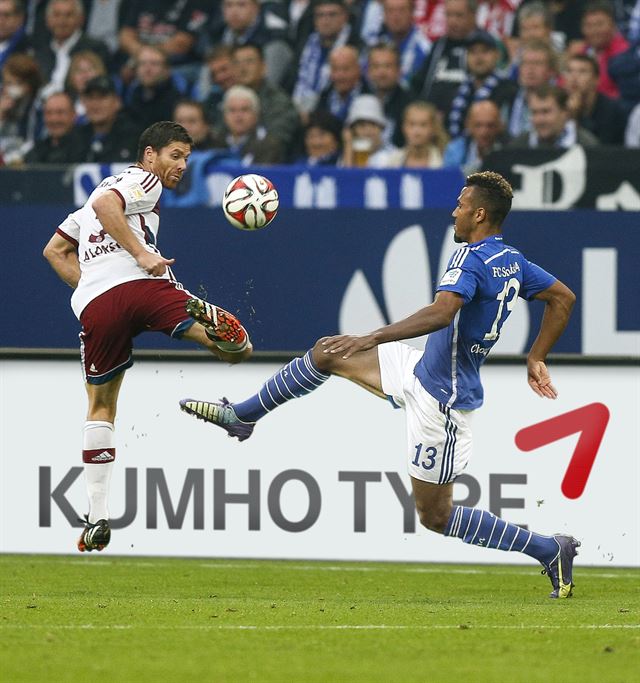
[104, 618]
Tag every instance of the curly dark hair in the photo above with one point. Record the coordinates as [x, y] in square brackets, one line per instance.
[493, 193]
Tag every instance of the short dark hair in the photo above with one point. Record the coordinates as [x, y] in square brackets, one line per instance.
[161, 134]
[547, 90]
[248, 46]
[604, 6]
[586, 59]
[493, 193]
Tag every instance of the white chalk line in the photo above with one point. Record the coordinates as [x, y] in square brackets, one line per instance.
[319, 627]
[491, 569]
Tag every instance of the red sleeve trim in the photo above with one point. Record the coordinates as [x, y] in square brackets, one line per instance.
[67, 237]
[124, 204]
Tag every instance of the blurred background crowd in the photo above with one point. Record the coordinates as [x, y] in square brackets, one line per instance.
[377, 83]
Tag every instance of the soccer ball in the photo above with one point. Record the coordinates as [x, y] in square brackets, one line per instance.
[250, 202]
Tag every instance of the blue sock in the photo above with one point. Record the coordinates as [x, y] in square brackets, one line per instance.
[479, 527]
[298, 378]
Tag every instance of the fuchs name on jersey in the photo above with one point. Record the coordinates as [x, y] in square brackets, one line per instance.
[505, 271]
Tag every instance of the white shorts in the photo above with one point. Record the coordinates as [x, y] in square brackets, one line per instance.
[439, 438]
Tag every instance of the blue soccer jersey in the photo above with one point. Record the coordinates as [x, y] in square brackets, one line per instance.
[489, 276]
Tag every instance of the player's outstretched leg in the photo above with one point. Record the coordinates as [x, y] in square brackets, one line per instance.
[555, 553]
[221, 327]
[94, 536]
[296, 379]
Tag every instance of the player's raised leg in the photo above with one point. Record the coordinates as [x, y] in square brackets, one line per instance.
[297, 378]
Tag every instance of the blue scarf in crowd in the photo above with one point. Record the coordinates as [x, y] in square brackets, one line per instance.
[463, 99]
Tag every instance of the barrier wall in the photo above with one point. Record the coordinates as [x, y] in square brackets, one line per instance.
[323, 477]
[315, 272]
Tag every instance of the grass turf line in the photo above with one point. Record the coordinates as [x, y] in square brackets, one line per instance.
[103, 618]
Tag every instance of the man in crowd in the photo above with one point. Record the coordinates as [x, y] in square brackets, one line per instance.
[345, 82]
[277, 113]
[597, 113]
[242, 135]
[13, 37]
[552, 127]
[384, 79]
[109, 135]
[59, 116]
[443, 71]
[483, 134]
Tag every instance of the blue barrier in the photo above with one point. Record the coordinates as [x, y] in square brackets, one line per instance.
[316, 272]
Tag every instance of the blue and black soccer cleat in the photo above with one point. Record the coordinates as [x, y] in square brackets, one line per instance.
[221, 414]
[560, 569]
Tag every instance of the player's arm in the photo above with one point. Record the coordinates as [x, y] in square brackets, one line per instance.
[559, 301]
[63, 258]
[110, 213]
[434, 317]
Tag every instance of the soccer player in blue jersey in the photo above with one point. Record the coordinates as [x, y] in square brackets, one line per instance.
[440, 387]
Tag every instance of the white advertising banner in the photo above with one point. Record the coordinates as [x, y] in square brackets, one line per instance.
[323, 477]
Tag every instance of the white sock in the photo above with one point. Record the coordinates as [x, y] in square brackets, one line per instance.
[98, 454]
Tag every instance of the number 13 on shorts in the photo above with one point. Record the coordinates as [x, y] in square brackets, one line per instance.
[425, 456]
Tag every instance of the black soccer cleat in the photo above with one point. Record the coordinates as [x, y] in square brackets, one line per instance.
[94, 536]
[560, 569]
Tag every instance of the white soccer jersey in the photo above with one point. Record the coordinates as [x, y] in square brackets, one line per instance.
[103, 262]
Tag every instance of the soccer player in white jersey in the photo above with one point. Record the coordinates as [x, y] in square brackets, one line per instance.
[106, 251]
[440, 387]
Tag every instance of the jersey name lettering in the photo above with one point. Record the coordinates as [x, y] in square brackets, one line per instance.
[505, 271]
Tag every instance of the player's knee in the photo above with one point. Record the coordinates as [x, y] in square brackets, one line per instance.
[323, 361]
[434, 518]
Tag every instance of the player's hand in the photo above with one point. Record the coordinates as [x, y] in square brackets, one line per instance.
[347, 344]
[154, 264]
[539, 379]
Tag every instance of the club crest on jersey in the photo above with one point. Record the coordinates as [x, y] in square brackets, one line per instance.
[451, 277]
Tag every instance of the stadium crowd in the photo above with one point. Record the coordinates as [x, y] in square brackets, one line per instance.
[378, 83]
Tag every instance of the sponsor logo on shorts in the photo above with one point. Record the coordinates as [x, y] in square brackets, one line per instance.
[482, 350]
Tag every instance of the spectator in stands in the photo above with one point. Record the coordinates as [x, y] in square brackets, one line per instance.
[567, 16]
[312, 70]
[425, 138]
[299, 23]
[483, 82]
[430, 18]
[167, 25]
[552, 127]
[65, 19]
[13, 36]
[624, 70]
[84, 66]
[345, 82]
[247, 21]
[153, 95]
[538, 66]
[277, 113]
[242, 135]
[322, 140]
[104, 18]
[383, 77]
[109, 134]
[632, 132]
[21, 81]
[399, 30]
[535, 22]
[444, 69]
[217, 76]
[483, 134]
[191, 115]
[603, 41]
[363, 142]
[632, 33]
[59, 118]
[597, 113]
